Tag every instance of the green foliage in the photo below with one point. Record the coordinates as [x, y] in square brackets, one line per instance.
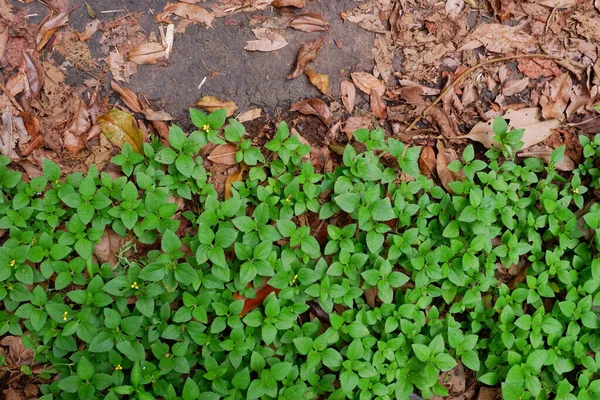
[409, 280]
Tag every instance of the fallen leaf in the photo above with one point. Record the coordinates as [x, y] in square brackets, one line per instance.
[348, 92]
[510, 87]
[500, 38]
[234, 177]
[18, 354]
[128, 96]
[455, 379]
[367, 82]
[121, 70]
[427, 161]
[354, 123]
[555, 97]
[378, 107]
[3, 39]
[228, 7]
[267, 40]
[152, 115]
[108, 247]
[90, 11]
[383, 55]
[306, 54]
[445, 156]
[147, 53]
[120, 128]
[73, 138]
[49, 27]
[262, 292]
[90, 29]
[224, 154]
[314, 107]
[249, 115]
[34, 72]
[310, 22]
[367, 21]
[321, 81]
[168, 40]
[454, 7]
[7, 136]
[486, 393]
[529, 119]
[544, 152]
[288, 3]
[211, 103]
[597, 4]
[190, 11]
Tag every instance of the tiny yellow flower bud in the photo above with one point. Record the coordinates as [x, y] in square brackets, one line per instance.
[118, 367]
[576, 190]
[206, 128]
[65, 316]
[57, 181]
[134, 285]
[295, 278]
[12, 263]
[10, 286]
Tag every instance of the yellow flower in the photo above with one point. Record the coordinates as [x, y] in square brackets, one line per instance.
[134, 285]
[9, 286]
[118, 367]
[12, 263]
[295, 278]
[57, 181]
[65, 316]
[206, 128]
[576, 190]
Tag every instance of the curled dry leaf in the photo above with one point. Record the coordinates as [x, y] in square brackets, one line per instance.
[529, 119]
[310, 22]
[250, 115]
[267, 40]
[7, 136]
[367, 82]
[120, 128]
[454, 7]
[427, 161]
[288, 3]
[348, 92]
[306, 54]
[224, 154]
[211, 103]
[234, 177]
[378, 107]
[147, 53]
[314, 107]
[108, 248]
[152, 115]
[446, 156]
[128, 96]
[500, 38]
[188, 11]
[544, 152]
[368, 21]
[73, 138]
[383, 54]
[34, 72]
[510, 87]
[49, 27]
[555, 97]
[321, 81]
[487, 393]
[3, 39]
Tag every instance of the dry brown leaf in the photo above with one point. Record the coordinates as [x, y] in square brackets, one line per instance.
[7, 136]
[321, 81]
[34, 72]
[108, 247]
[510, 87]
[383, 55]
[454, 7]
[288, 3]
[249, 115]
[555, 97]
[367, 82]
[348, 92]
[152, 115]
[544, 152]
[147, 53]
[306, 54]
[223, 8]
[234, 177]
[369, 22]
[310, 22]
[378, 107]
[529, 119]
[18, 354]
[500, 38]
[90, 29]
[354, 123]
[3, 39]
[314, 107]
[120, 128]
[224, 154]
[486, 393]
[73, 138]
[49, 27]
[128, 96]
[427, 161]
[446, 156]
[191, 12]
[211, 103]
[121, 70]
[267, 40]
[534, 68]
[597, 4]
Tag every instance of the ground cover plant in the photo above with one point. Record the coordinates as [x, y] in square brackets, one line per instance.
[407, 284]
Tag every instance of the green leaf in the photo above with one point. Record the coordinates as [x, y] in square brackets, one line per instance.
[216, 119]
[85, 369]
[170, 243]
[191, 391]
[443, 361]
[256, 389]
[70, 384]
[176, 137]
[421, 351]
[348, 381]
[382, 210]
[303, 344]
[349, 202]
[471, 360]
[235, 131]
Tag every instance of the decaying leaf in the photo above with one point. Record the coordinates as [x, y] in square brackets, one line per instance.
[454, 7]
[191, 12]
[128, 96]
[314, 107]
[211, 103]
[288, 3]
[306, 54]
[378, 107]
[224, 154]
[510, 87]
[250, 115]
[147, 53]
[555, 97]
[368, 21]
[529, 119]
[121, 70]
[500, 38]
[544, 152]
[446, 156]
[3, 39]
[34, 72]
[49, 27]
[321, 81]
[234, 177]
[108, 247]
[427, 161]
[267, 40]
[348, 92]
[120, 128]
[152, 115]
[7, 136]
[310, 22]
[90, 11]
[73, 136]
[367, 82]
[383, 55]
[487, 393]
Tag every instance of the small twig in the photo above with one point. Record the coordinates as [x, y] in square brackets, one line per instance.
[462, 76]
[112, 11]
[11, 97]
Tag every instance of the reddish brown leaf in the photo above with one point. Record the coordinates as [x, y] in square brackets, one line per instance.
[224, 154]
[108, 247]
[348, 92]
[190, 11]
[73, 139]
[288, 3]
[34, 72]
[152, 115]
[3, 39]
[314, 107]
[249, 115]
[234, 177]
[367, 82]
[427, 161]
[128, 96]
[321, 81]
[310, 22]
[49, 27]
[7, 136]
[378, 107]
[556, 96]
[261, 293]
[446, 156]
[211, 103]
[147, 53]
[32, 124]
[307, 53]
